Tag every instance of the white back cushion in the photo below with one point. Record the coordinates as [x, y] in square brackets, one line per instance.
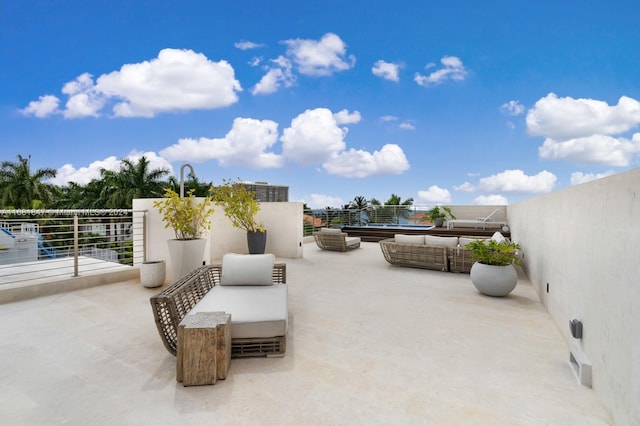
[409, 239]
[432, 240]
[331, 230]
[466, 240]
[498, 238]
[247, 269]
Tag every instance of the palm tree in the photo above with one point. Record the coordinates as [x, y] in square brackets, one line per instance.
[133, 180]
[392, 210]
[200, 189]
[360, 204]
[22, 189]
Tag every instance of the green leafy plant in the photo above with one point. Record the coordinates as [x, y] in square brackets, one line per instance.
[188, 218]
[436, 213]
[239, 204]
[491, 252]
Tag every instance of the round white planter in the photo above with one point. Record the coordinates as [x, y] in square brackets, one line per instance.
[185, 256]
[153, 273]
[494, 280]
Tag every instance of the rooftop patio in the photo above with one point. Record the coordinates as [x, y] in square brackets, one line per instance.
[368, 343]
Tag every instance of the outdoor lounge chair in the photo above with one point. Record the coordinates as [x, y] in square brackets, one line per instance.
[335, 239]
[483, 222]
[254, 295]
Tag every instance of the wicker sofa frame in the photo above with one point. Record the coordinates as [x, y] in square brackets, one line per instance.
[335, 241]
[415, 255]
[172, 304]
[460, 260]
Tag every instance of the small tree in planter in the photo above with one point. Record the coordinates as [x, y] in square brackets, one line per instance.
[189, 221]
[438, 216]
[493, 272]
[241, 207]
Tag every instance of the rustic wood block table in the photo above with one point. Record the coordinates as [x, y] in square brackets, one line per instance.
[204, 348]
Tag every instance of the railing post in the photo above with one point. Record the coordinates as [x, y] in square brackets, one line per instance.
[144, 236]
[75, 245]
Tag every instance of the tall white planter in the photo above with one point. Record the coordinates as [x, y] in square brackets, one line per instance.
[494, 280]
[185, 255]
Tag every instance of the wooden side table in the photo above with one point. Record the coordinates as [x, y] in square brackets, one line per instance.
[204, 348]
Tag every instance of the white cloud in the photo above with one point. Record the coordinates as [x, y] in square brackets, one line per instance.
[83, 175]
[434, 195]
[512, 108]
[246, 144]
[320, 201]
[346, 117]
[569, 118]
[578, 177]
[247, 45]
[386, 118]
[516, 182]
[390, 160]
[386, 70]
[320, 58]
[407, 126]
[44, 107]
[279, 74]
[582, 130]
[596, 149]
[491, 200]
[176, 80]
[452, 69]
[465, 187]
[313, 137]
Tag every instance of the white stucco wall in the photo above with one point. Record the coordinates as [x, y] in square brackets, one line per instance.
[283, 222]
[584, 241]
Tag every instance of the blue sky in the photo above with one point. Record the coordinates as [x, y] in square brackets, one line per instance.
[459, 103]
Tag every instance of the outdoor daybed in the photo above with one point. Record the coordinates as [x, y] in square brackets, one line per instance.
[429, 252]
[335, 239]
[252, 288]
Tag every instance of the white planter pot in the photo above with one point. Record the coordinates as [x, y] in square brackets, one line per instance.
[494, 280]
[185, 256]
[153, 273]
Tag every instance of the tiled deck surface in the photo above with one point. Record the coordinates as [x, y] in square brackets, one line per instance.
[368, 344]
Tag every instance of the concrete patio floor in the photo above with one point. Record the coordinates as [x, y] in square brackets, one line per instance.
[368, 343]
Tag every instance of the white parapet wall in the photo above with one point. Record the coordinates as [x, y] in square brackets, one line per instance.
[582, 254]
[283, 222]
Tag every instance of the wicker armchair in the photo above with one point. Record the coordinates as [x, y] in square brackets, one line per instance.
[335, 240]
[175, 302]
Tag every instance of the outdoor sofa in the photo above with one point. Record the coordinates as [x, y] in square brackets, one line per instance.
[252, 288]
[336, 240]
[447, 254]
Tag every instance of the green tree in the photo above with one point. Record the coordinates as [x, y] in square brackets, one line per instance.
[133, 180]
[392, 210]
[22, 189]
[200, 189]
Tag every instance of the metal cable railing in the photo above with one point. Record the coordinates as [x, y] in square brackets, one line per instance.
[37, 243]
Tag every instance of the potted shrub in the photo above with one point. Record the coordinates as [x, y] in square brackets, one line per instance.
[189, 220]
[241, 207]
[438, 216]
[493, 272]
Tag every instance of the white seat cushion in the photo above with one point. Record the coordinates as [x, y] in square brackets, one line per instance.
[352, 241]
[256, 311]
